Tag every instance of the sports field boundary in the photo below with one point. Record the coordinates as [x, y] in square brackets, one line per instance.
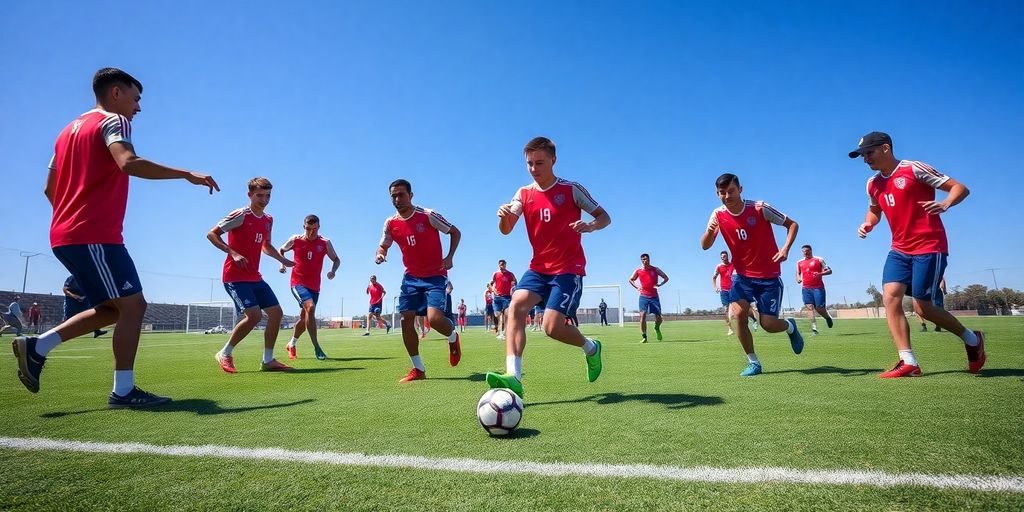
[701, 474]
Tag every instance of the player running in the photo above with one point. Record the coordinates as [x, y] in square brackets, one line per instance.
[552, 209]
[87, 185]
[490, 321]
[376, 292]
[809, 272]
[721, 281]
[462, 315]
[310, 249]
[248, 232]
[503, 282]
[650, 303]
[904, 191]
[417, 231]
[746, 227]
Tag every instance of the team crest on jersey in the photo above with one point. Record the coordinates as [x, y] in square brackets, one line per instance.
[900, 182]
[559, 199]
[319, 248]
[268, 225]
[420, 228]
[751, 221]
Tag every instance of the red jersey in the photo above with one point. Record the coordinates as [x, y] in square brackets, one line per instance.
[462, 310]
[648, 278]
[488, 297]
[724, 272]
[810, 271]
[557, 248]
[914, 231]
[90, 192]
[376, 291]
[309, 259]
[503, 282]
[419, 238]
[247, 233]
[750, 238]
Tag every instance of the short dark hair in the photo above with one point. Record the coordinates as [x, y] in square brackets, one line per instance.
[805, 246]
[727, 179]
[724, 252]
[645, 255]
[401, 183]
[261, 183]
[312, 218]
[503, 261]
[106, 78]
[538, 143]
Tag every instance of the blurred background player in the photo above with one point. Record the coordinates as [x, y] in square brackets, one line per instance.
[75, 302]
[940, 302]
[809, 272]
[490, 321]
[248, 232]
[310, 249]
[721, 281]
[462, 315]
[12, 317]
[502, 282]
[650, 303]
[602, 308]
[376, 292]
[552, 208]
[746, 227]
[904, 191]
[417, 231]
[34, 316]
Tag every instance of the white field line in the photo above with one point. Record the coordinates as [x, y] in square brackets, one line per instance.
[1011, 484]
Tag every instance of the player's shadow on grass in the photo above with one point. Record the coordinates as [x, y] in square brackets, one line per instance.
[845, 372]
[670, 401]
[986, 372]
[853, 333]
[321, 370]
[358, 358]
[473, 377]
[199, 406]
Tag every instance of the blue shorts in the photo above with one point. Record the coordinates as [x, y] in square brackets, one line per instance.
[103, 271]
[766, 293]
[940, 299]
[302, 294]
[814, 296]
[376, 308]
[73, 307]
[489, 310]
[650, 305]
[724, 296]
[559, 292]
[419, 293]
[501, 303]
[251, 294]
[921, 273]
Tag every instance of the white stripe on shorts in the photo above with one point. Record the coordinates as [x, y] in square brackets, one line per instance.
[99, 260]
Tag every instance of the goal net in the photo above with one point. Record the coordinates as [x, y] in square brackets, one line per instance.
[203, 316]
[589, 311]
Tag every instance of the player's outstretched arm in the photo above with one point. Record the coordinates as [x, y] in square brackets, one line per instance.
[135, 165]
[270, 250]
[791, 229]
[799, 278]
[601, 221]
[714, 281]
[335, 260]
[455, 237]
[289, 245]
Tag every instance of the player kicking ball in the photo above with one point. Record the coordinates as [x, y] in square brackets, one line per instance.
[746, 227]
[650, 303]
[417, 231]
[310, 249]
[248, 232]
[552, 210]
[904, 191]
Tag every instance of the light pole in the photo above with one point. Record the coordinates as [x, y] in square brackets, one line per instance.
[994, 284]
[27, 255]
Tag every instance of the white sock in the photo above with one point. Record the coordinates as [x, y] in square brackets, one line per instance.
[814, 326]
[268, 355]
[454, 336]
[789, 327]
[968, 336]
[590, 348]
[908, 357]
[752, 358]
[293, 341]
[124, 381]
[227, 349]
[514, 365]
[47, 342]
[417, 362]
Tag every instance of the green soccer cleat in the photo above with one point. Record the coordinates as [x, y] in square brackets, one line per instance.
[657, 330]
[594, 363]
[505, 380]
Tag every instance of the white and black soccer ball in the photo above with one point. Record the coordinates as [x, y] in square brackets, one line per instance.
[499, 411]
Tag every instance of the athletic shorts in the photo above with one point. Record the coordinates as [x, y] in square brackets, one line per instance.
[103, 271]
[501, 303]
[921, 273]
[559, 292]
[940, 299]
[650, 305]
[724, 296]
[462, 320]
[302, 294]
[814, 296]
[419, 293]
[489, 310]
[766, 293]
[376, 308]
[251, 294]
[73, 307]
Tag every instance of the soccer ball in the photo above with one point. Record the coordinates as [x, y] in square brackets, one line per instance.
[499, 411]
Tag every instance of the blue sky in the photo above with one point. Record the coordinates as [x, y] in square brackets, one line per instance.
[648, 103]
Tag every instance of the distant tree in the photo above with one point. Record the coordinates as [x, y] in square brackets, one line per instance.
[876, 296]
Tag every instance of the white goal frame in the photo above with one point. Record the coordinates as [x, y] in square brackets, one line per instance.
[214, 304]
[618, 295]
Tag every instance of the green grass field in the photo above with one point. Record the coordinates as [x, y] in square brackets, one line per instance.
[675, 403]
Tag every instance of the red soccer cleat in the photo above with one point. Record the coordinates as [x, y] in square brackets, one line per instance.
[291, 351]
[902, 370]
[454, 352]
[226, 362]
[275, 366]
[976, 355]
[414, 374]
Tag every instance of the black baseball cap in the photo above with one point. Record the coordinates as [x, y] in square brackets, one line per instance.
[869, 141]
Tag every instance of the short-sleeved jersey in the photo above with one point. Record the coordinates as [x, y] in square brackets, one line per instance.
[246, 234]
[750, 237]
[419, 238]
[488, 297]
[503, 281]
[810, 271]
[34, 312]
[724, 272]
[309, 259]
[462, 310]
[14, 309]
[376, 292]
[90, 192]
[557, 248]
[899, 195]
[648, 279]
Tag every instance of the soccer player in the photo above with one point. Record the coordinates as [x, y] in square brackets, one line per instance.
[376, 292]
[904, 191]
[940, 302]
[13, 317]
[603, 309]
[650, 303]
[417, 231]
[248, 232]
[462, 315]
[75, 302]
[552, 210]
[746, 227]
[34, 316]
[503, 282]
[310, 249]
[721, 281]
[489, 319]
[87, 185]
[809, 272]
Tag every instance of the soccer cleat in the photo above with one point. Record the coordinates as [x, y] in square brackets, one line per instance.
[828, 321]
[924, 328]
[414, 374]
[30, 363]
[594, 363]
[291, 350]
[657, 330]
[454, 352]
[751, 370]
[320, 353]
[795, 339]
[938, 329]
[901, 370]
[227, 363]
[367, 333]
[275, 366]
[975, 355]
[97, 333]
[423, 336]
[729, 332]
[135, 398]
[500, 336]
[505, 380]
[814, 331]
[388, 328]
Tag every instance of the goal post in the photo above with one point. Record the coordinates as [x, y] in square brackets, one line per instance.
[200, 316]
[589, 309]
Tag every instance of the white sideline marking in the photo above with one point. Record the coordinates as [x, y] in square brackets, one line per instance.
[694, 474]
